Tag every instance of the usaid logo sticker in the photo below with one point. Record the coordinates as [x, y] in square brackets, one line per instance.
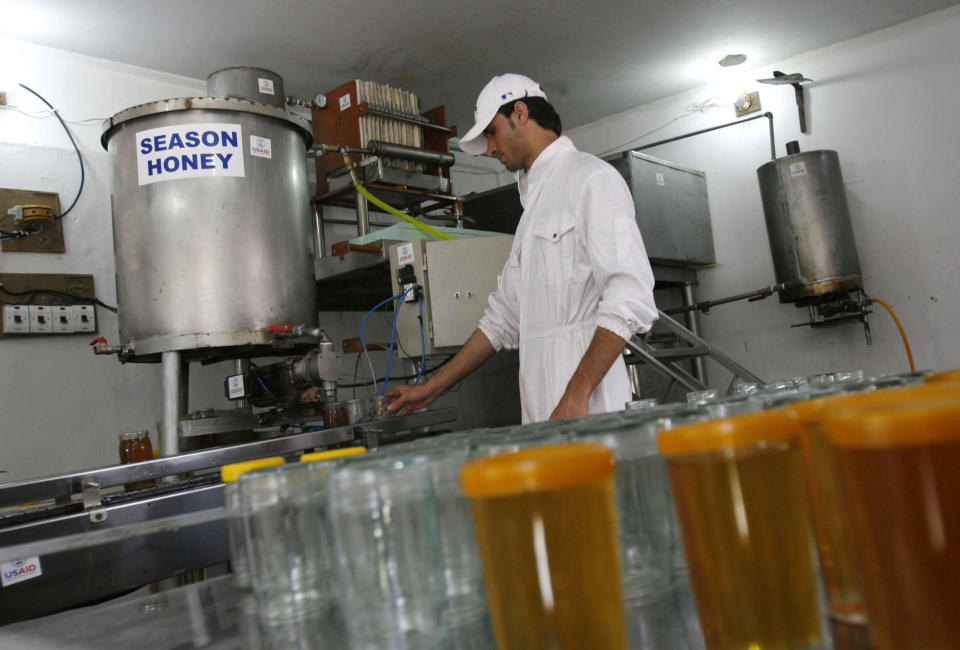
[20, 570]
[405, 254]
[260, 147]
[189, 151]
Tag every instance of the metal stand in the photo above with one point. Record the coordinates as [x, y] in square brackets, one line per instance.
[665, 359]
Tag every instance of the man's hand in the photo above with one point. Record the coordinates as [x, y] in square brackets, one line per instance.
[571, 407]
[604, 349]
[406, 399]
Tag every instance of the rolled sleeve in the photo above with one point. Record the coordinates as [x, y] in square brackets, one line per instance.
[500, 320]
[617, 256]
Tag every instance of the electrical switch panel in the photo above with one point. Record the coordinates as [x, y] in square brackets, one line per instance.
[47, 319]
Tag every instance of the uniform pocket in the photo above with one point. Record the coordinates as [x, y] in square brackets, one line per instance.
[554, 253]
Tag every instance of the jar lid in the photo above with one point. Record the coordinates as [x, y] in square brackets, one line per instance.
[728, 433]
[231, 473]
[133, 435]
[536, 469]
[332, 453]
[922, 418]
[945, 376]
[812, 410]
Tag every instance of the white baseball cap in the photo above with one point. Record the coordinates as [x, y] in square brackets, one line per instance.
[501, 90]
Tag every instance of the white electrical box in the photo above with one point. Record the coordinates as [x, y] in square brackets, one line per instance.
[455, 277]
[49, 319]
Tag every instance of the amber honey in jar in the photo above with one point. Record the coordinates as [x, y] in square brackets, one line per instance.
[837, 550]
[546, 530]
[898, 464]
[335, 415]
[741, 500]
[135, 446]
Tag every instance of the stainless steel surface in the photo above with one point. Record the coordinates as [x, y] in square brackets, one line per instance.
[247, 83]
[319, 237]
[376, 172]
[206, 614]
[52, 487]
[240, 419]
[317, 366]
[456, 277]
[363, 215]
[808, 225]
[170, 433]
[119, 562]
[240, 247]
[692, 319]
[671, 209]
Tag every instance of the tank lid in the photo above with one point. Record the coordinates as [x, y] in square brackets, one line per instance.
[205, 103]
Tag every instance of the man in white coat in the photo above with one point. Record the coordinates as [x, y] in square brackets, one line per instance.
[577, 283]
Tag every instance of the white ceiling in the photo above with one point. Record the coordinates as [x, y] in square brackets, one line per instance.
[593, 59]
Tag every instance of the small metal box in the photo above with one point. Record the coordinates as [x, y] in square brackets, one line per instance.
[455, 276]
[672, 209]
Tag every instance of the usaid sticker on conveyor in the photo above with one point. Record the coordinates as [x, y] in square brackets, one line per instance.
[170, 153]
[19, 570]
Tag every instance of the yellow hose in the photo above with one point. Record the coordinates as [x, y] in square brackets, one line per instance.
[903, 334]
[416, 223]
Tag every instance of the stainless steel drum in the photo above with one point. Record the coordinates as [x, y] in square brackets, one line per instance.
[211, 222]
[244, 82]
[808, 225]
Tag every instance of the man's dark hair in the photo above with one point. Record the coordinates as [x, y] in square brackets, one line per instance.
[541, 111]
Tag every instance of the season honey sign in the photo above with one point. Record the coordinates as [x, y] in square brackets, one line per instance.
[189, 151]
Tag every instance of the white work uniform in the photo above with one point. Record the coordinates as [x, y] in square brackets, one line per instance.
[577, 263]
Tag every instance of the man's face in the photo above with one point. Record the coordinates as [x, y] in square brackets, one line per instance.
[503, 142]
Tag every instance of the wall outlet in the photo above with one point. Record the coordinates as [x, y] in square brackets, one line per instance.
[41, 319]
[86, 318]
[16, 319]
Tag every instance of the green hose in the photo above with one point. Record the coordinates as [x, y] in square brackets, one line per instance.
[416, 223]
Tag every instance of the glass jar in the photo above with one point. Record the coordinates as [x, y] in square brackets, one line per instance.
[546, 530]
[335, 415]
[354, 411]
[135, 446]
[645, 521]
[290, 556]
[897, 459]
[738, 486]
[383, 529]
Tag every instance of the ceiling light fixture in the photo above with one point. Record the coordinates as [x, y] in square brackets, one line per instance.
[731, 60]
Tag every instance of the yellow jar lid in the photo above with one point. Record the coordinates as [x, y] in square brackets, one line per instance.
[945, 376]
[536, 469]
[332, 453]
[728, 433]
[816, 409]
[231, 473]
[925, 418]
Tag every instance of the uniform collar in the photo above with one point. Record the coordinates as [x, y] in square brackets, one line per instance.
[529, 181]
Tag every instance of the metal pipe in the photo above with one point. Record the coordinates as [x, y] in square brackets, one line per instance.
[170, 436]
[319, 238]
[768, 115]
[416, 154]
[705, 306]
[363, 215]
[241, 366]
[699, 371]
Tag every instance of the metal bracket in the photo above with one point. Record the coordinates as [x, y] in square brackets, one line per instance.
[92, 502]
